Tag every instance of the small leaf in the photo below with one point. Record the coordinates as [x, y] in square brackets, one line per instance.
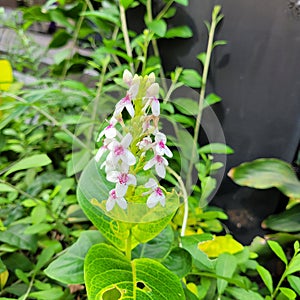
[217, 148]
[33, 161]
[219, 43]
[242, 294]
[294, 282]
[191, 78]
[58, 17]
[182, 2]
[266, 277]
[225, 267]
[44, 258]
[54, 293]
[60, 38]
[186, 106]
[179, 32]
[3, 279]
[277, 249]
[202, 57]
[294, 265]
[126, 3]
[290, 294]
[211, 99]
[22, 276]
[117, 277]
[158, 26]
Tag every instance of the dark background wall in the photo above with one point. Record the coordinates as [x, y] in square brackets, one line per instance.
[258, 76]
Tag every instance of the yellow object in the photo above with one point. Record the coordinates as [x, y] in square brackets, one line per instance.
[219, 245]
[3, 278]
[6, 75]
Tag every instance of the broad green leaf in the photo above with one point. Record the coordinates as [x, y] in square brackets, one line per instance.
[179, 262]
[182, 2]
[219, 245]
[179, 32]
[6, 188]
[68, 268]
[208, 185]
[286, 221]
[242, 294]
[145, 223]
[78, 162]
[294, 265]
[44, 257]
[191, 244]
[40, 228]
[6, 75]
[157, 248]
[15, 236]
[265, 173]
[216, 148]
[266, 277]
[33, 161]
[225, 266]
[105, 14]
[110, 275]
[186, 106]
[158, 26]
[191, 78]
[290, 294]
[277, 249]
[38, 214]
[2, 266]
[294, 282]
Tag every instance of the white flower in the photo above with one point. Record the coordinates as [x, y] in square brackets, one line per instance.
[119, 151]
[103, 149]
[145, 143]
[152, 90]
[157, 194]
[122, 180]
[161, 148]
[160, 165]
[113, 198]
[151, 77]
[109, 131]
[126, 101]
[127, 77]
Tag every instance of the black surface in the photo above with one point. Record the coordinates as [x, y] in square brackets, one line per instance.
[258, 76]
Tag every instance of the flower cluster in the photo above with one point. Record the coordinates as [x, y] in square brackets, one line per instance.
[135, 145]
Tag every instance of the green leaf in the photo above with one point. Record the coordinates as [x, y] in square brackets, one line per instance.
[287, 221]
[294, 282]
[265, 173]
[2, 266]
[211, 99]
[202, 57]
[266, 277]
[179, 32]
[40, 228]
[294, 265]
[277, 249]
[126, 3]
[178, 118]
[191, 78]
[110, 275]
[158, 26]
[38, 214]
[182, 2]
[60, 38]
[145, 223]
[219, 43]
[22, 276]
[225, 266]
[105, 14]
[58, 17]
[157, 248]
[217, 148]
[3, 279]
[186, 106]
[290, 294]
[15, 236]
[71, 262]
[191, 243]
[44, 257]
[242, 294]
[179, 262]
[33, 161]
[54, 293]
[78, 162]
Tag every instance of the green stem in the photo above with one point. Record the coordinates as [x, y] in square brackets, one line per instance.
[97, 99]
[90, 5]
[202, 95]
[173, 85]
[126, 35]
[128, 246]
[50, 118]
[74, 41]
[155, 46]
[185, 200]
[164, 10]
[24, 297]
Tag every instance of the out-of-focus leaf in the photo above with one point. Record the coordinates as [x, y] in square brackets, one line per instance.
[179, 32]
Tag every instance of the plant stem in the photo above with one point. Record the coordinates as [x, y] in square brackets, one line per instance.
[74, 41]
[50, 118]
[128, 246]
[185, 200]
[202, 95]
[126, 35]
[173, 85]
[154, 44]
[97, 99]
